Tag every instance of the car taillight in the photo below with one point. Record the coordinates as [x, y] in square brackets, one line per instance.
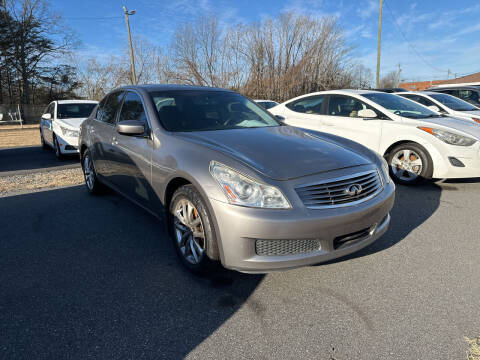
[476, 120]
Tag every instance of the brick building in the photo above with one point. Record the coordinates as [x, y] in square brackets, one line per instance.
[472, 79]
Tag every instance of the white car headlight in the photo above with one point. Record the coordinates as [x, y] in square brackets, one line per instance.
[241, 190]
[449, 137]
[68, 132]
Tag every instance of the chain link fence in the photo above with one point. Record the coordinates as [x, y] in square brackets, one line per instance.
[21, 113]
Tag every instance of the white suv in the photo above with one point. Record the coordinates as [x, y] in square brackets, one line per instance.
[416, 142]
[60, 124]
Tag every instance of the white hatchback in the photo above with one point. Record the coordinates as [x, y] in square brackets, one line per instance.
[416, 142]
[60, 124]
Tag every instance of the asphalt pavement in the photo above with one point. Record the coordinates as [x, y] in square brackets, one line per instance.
[84, 277]
[31, 159]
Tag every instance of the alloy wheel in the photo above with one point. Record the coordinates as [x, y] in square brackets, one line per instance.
[88, 172]
[406, 165]
[189, 231]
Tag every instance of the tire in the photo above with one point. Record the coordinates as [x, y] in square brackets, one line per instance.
[56, 147]
[410, 164]
[94, 186]
[197, 254]
[42, 140]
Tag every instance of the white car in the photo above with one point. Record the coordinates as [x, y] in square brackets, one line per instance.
[416, 142]
[266, 104]
[444, 104]
[60, 124]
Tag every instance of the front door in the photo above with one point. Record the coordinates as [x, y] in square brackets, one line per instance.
[131, 158]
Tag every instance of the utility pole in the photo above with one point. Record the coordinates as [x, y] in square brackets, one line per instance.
[448, 74]
[399, 72]
[132, 59]
[379, 43]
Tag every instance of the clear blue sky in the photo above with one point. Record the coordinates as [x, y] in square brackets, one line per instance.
[427, 37]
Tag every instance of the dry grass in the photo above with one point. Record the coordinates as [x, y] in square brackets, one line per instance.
[51, 179]
[473, 352]
[15, 136]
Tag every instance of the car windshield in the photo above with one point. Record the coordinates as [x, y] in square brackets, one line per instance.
[453, 103]
[400, 106]
[75, 110]
[193, 110]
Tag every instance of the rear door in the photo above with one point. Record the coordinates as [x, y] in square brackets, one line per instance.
[305, 112]
[342, 119]
[131, 165]
[47, 124]
[103, 131]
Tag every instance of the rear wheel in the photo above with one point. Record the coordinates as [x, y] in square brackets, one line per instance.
[410, 164]
[91, 181]
[42, 140]
[191, 230]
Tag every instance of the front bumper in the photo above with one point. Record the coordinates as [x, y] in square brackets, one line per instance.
[68, 144]
[238, 229]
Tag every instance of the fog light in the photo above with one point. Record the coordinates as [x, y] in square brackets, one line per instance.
[455, 162]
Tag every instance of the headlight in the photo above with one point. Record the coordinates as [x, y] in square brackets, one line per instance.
[68, 132]
[449, 137]
[385, 169]
[241, 190]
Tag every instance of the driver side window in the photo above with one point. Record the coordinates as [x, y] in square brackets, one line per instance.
[346, 106]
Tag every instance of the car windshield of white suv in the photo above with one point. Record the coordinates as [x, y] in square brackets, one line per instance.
[67, 111]
[192, 110]
[400, 106]
[453, 102]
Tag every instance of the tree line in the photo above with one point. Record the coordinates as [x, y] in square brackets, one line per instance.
[277, 58]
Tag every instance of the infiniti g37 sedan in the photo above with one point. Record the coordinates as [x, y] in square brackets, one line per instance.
[233, 184]
[417, 142]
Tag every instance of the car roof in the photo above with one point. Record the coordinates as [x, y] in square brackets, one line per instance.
[463, 87]
[422, 92]
[77, 102]
[170, 87]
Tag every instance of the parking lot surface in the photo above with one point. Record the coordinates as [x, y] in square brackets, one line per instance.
[85, 277]
[31, 159]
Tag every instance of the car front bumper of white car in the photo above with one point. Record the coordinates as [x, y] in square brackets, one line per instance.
[68, 144]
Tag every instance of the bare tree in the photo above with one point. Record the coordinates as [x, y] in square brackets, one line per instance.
[390, 80]
[35, 34]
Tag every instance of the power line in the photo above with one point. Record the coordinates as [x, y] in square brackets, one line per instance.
[410, 44]
[92, 18]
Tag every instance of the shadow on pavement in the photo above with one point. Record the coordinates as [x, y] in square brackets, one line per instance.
[32, 158]
[96, 277]
[413, 206]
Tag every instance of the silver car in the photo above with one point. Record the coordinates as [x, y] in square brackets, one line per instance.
[232, 182]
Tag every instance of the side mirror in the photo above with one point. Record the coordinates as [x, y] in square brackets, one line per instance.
[130, 127]
[434, 108]
[47, 116]
[280, 118]
[367, 114]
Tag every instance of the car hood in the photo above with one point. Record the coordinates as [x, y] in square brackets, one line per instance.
[73, 122]
[280, 152]
[466, 126]
[473, 112]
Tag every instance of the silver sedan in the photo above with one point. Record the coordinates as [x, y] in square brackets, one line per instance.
[235, 185]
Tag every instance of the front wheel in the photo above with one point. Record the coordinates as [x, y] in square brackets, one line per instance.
[191, 230]
[410, 164]
[56, 146]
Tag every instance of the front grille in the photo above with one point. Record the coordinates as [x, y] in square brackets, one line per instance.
[285, 247]
[338, 191]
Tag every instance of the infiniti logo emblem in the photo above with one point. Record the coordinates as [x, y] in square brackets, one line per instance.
[354, 189]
